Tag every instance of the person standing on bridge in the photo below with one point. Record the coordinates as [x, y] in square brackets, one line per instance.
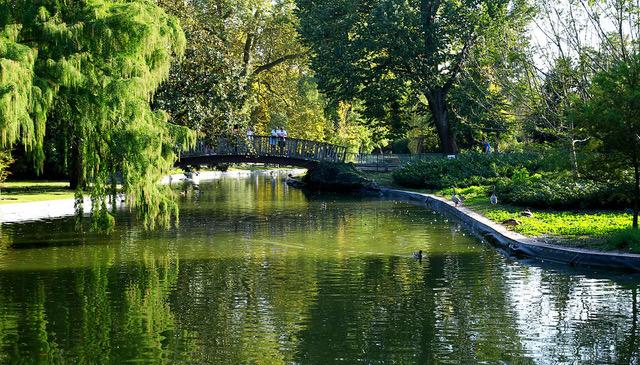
[235, 141]
[250, 134]
[249, 144]
[273, 139]
[282, 135]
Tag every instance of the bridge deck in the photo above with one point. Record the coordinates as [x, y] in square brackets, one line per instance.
[265, 149]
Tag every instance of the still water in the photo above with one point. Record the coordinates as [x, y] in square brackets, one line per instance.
[261, 273]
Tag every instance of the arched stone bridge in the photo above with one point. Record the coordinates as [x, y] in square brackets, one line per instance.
[262, 149]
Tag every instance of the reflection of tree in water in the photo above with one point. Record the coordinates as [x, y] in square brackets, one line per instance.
[629, 345]
[99, 316]
[570, 317]
[411, 316]
[245, 310]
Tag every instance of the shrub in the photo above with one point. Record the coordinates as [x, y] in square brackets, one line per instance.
[626, 239]
[5, 161]
[465, 170]
[400, 146]
[222, 167]
[562, 193]
[337, 177]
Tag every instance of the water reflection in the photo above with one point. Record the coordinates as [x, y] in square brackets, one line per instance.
[259, 273]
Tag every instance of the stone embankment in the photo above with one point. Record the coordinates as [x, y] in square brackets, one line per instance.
[517, 245]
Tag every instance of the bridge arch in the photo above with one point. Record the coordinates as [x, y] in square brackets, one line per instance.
[262, 149]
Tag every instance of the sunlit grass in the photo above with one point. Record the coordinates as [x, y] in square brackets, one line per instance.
[595, 229]
[32, 191]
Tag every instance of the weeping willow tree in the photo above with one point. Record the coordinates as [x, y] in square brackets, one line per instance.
[89, 69]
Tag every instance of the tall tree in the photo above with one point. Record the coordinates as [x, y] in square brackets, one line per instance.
[93, 66]
[244, 65]
[611, 114]
[383, 50]
[484, 102]
[602, 39]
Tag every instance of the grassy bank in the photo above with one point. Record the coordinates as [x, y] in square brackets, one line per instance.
[32, 191]
[595, 229]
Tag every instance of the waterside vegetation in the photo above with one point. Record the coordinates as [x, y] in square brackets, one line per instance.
[339, 177]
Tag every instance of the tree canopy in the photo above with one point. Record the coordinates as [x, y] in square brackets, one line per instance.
[611, 115]
[244, 65]
[382, 51]
[89, 70]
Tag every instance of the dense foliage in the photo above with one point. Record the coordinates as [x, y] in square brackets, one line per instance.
[86, 71]
[611, 115]
[5, 161]
[243, 65]
[530, 179]
[465, 170]
[339, 177]
[390, 52]
[563, 193]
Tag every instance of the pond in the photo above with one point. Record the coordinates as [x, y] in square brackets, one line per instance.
[258, 272]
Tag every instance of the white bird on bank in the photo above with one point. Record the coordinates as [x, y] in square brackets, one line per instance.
[493, 199]
[526, 213]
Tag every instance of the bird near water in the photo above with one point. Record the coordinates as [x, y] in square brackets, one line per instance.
[455, 199]
[493, 199]
[417, 255]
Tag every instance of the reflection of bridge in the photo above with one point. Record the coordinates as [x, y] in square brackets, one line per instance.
[262, 149]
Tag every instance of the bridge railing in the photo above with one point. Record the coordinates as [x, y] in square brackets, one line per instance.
[390, 158]
[387, 162]
[293, 148]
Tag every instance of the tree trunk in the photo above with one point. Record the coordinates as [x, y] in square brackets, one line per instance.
[76, 174]
[574, 159]
[636, 195]
[438, 105]
[397, 130]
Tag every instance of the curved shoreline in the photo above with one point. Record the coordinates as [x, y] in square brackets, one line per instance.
[517, 245]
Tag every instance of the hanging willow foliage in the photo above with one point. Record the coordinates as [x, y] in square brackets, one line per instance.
[95, 65]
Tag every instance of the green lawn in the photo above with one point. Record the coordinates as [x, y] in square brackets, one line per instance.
[593, 229]
[603, 230]
[31, 191]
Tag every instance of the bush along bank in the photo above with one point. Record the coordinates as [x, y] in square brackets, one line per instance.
[466, 170]
[338, 177]
[570, 211]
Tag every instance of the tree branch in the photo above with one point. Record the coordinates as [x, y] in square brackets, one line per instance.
[276, 62]
[458, 65]
[246, 54]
